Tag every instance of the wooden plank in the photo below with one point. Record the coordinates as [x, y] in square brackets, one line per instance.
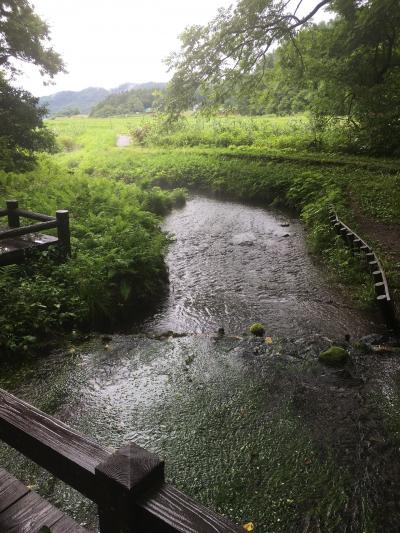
[67, 525]
[15, 250]
[28, 515]
[61, 450]
[26, 241]
[11, 489]
[34, 216]
[170, 507]
[20, 513]
[73, 458]
[32, 228]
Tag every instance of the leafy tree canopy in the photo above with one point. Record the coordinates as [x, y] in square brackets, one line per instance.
[264, 52]
[21, 128]
[23, 37]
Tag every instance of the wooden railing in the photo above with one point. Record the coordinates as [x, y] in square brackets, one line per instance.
[127, 485]
[371, 260]
[60, 221]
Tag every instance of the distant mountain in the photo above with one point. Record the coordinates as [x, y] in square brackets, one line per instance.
[85, 100]
[82, 100]
[137, 100]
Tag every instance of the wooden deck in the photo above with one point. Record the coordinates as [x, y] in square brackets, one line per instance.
[16, 241]
[24, 511]
[14, 250]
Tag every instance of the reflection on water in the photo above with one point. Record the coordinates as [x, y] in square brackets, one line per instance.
[232, 265]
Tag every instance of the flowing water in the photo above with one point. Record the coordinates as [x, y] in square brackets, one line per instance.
[218, 408]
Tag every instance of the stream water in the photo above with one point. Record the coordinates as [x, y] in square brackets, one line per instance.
[216, 407]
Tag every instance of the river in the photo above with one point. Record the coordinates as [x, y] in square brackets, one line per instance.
[218, 408]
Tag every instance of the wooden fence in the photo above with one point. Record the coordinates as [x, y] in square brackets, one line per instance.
[127, 485]
[60, 222]
[371, 261]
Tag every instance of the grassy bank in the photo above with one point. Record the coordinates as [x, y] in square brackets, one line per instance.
[117, 268]
[262, 159]
[116, 197]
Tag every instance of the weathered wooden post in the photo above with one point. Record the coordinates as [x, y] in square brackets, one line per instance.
[64, 236]
[121, 479]
[12, 215]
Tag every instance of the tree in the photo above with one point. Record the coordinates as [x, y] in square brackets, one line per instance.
[21, 128]
[350, 66]
[24, 37]
[235, 44]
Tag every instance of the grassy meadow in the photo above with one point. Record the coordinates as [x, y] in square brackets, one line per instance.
[118, 196]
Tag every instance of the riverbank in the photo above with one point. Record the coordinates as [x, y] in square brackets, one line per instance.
[116, 202]
[263, 160]
[117, 266]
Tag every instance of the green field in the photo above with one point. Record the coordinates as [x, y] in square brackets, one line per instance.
[116, 197]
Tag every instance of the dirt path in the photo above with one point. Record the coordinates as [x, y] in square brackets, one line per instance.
[387, 235]
[123, 140]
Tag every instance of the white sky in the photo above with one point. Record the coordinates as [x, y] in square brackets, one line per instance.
[106, 43]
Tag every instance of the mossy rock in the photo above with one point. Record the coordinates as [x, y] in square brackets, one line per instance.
[257, 329]
[334, 356]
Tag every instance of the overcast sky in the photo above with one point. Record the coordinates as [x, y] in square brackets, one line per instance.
[105, 43]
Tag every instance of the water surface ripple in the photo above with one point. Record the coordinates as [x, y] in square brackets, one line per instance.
[232, 265]
[207, 404]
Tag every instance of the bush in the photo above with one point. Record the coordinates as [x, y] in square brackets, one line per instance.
[117, 268]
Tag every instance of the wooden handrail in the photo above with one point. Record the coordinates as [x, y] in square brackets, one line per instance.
[27, 214]
[33, 216]
[127, 484]
[60, 221]
[25, 230]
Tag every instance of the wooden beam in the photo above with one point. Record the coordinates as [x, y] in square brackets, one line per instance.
[34, 216]
[48, 442]
[64, 237]
[32, 228]
[76, 459]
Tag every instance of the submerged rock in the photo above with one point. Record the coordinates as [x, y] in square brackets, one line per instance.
[257, 329]
[335, 355]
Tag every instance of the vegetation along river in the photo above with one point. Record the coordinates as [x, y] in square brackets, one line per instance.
[255, 428]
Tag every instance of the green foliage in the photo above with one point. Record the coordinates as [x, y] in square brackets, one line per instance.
[68, 112]
[22, 132]
[117, 268]
[347, 68]
[24, 37]
[127, 102]
[113, 196]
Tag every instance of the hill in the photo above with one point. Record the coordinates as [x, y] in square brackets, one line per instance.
[136, 100]
[83, 101]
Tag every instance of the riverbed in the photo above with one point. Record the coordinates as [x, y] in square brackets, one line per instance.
[225, 410]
